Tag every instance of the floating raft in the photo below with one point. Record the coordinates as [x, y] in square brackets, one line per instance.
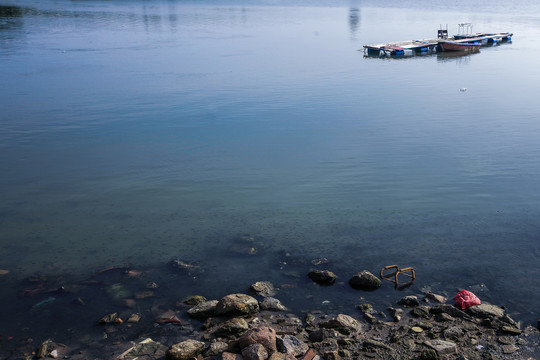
[430, 46]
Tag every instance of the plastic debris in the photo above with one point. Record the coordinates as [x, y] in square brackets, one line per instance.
[465, 299]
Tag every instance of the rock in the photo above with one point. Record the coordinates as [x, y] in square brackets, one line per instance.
[146, 348]
[194, 300]
[232, 326]
[263, 288]
[185, 350]
[237, 304]
[322, 334]
[118, 292]
[332, 355]
[255, 352]
[447, 309]
[133, 318]
[44, 349]
[323, 277]
[443, 317]
[262, 335]
[230, 356]
[288, 326]
[108, 319]
[437, 298]
[365, 280]
[421, 312]
[373, 344]
[291, 345]
[216, 348]
[203, 310]
[442, 347]
[409, 301]
[129, 303]
[366, 308]
[429, 354]
[343, 323]
[511, 330]
[485, 311]
[272, 304]
[509, 349]
[281, 356]
[370, 318]
[396, 314]
[185, 267]
[144, 294]
[417, 329]
[453, 333]
[168, 317]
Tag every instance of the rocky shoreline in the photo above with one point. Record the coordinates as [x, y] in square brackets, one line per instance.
[255, 325]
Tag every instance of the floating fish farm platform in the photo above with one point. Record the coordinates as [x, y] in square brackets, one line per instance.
[439, 44]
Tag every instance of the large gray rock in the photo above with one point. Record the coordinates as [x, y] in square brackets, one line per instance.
[203, 310]
[237, 304]
[485, 311]
[365, 280]
[185, 350]
[291, 345]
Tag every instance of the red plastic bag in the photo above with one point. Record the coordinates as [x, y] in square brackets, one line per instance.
[465, 299]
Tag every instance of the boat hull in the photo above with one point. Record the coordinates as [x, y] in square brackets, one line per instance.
[455, 46]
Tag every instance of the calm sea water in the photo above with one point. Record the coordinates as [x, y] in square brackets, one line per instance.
[134, 132]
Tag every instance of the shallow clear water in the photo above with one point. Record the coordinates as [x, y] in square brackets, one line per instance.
[137, 132]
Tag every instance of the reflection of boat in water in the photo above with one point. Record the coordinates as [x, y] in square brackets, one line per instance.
[464, 41]
[459, 46]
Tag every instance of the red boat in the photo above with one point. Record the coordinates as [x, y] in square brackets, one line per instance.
[459, 46]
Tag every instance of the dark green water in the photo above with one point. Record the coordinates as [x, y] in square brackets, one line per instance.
[134, 132]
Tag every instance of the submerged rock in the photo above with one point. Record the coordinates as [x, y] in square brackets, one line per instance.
[194, 300]
[185, 267]
[108, 319]
[323, 277]
[147, 349]
[365, 280]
